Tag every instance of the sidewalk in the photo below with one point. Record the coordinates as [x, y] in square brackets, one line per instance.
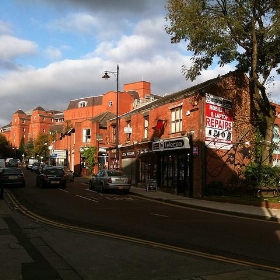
[263, 213]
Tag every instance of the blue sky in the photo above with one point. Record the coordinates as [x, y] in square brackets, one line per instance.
[53, 51]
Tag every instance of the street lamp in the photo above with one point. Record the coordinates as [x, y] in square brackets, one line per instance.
[106, 77]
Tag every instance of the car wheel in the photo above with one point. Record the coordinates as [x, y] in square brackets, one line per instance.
[102, 188]
[90, 185]
[63, 185]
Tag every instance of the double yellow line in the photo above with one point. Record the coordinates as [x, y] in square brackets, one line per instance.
[49, 222]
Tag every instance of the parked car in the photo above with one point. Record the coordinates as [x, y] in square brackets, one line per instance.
[30, 162]
[110, 179]
[51, 176]
[12, 163]
[69, 174]
[12, 176]
[35, 167]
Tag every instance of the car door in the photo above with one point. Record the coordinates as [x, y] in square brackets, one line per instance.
[99, 178]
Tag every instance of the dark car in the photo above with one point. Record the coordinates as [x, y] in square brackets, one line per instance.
[35, 167]
[51, 177]
[110, 179]
[12, 163]
[12, 176]
[68, 173]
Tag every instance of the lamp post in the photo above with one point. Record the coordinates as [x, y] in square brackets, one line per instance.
[106, 77]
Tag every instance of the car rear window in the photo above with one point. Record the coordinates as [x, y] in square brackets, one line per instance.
[55, 171]
[12, 170]
[115, 173]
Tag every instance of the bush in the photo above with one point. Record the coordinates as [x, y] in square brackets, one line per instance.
[217, 188]
[259, 176]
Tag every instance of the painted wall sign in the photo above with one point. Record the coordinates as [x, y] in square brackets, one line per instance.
[218, 122]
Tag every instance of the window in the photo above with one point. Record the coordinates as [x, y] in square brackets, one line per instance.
[110, 103]
[128, 135]
[113, 134]
[86, 135]
[146, 125]
[176, 119]
[82, 104]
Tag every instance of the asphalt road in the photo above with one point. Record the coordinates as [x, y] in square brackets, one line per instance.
[157, 224]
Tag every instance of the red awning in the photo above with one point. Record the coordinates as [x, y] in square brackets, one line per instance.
[159, 126]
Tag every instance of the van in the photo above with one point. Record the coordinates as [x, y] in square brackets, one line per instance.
[30, 163]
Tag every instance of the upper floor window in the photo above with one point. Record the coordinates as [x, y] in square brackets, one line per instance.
[128, 134]
[110, 103]
[146, 126]
[86, 135]
[176, 119]
[113, 133]
[43, 119]
[82, 104]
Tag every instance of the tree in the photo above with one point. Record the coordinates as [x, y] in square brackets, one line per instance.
[41, 145]
[29, 148]
[245, 32]
[5, 146]
[90, 154]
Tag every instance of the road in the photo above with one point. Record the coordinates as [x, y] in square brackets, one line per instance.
[179, 235]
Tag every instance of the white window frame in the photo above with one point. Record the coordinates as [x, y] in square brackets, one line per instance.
[176, 119]
[146, 126]
[82, 104]
[86, 135]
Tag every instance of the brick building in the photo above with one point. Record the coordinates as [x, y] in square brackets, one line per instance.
[183, 140]
[189, 138]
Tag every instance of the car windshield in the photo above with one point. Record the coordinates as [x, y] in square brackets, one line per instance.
[115, 173]
[54, 171]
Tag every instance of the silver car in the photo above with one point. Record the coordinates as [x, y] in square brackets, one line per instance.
[109, 179]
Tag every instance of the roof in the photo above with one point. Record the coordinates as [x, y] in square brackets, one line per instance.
[103, 118]
[185, 93]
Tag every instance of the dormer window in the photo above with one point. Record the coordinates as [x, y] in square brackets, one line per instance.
[82, 104]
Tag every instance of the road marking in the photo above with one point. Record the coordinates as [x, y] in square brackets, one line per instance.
[155, 214]
[83, 197]
[63, 190]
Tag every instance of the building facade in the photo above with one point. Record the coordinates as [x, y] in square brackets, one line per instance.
[184, 140]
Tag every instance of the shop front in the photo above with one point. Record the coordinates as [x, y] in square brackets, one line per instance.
[174, 165]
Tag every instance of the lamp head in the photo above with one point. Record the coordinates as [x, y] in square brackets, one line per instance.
[106, 76]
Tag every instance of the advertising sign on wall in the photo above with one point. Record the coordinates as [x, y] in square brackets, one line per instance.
[218, 122]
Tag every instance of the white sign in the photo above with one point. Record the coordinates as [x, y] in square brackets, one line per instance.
[218, 122]
[59, 154]
[127, 129]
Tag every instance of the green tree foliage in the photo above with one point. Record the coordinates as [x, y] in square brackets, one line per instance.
[5, 147]
[29, 148]
[244, 32]
[41, 146]
[90, 154]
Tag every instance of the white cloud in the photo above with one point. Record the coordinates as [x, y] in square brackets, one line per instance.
[53, 53]
[12, 47]
[81, 23]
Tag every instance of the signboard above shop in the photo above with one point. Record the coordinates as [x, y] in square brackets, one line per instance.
[218, 122]
[171, 144]
[58, 154]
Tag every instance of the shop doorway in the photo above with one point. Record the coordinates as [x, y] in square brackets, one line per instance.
[175, 172]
